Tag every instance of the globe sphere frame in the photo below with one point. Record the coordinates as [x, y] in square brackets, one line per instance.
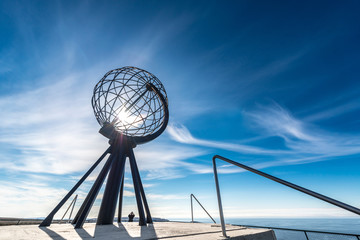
[132, 102]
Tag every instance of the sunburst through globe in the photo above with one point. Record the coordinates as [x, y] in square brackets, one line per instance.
[128, 99]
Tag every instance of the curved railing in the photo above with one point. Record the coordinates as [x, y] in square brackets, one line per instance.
[283, 182]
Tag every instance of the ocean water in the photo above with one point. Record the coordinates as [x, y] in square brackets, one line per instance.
[339, 225]
[343, 225]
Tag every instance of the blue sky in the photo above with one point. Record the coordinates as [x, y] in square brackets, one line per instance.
[274, 85]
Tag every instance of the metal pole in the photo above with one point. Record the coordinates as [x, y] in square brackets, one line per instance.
[121, 195]
[307, 238]
[91, 192]
[67, 209]
[72, 209]
[147, 210]
[219, 199]
[111, 193]
[202, 207]
[293, 186]
[192, 214]
[49, 218]
[89, 201]
[136, 188]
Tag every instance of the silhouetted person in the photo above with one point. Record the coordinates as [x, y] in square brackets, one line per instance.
[131, 217]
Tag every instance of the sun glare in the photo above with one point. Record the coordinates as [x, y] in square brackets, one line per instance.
[126, 118]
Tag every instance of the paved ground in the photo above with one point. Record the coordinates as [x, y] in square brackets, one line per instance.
[158, 230]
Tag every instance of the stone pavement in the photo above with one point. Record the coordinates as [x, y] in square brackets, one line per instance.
[131, 230]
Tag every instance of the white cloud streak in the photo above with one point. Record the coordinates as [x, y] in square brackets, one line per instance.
[302, 136]
[49, 129]
[337, 111]
[181, 134]
[27, 199]
[164, 161]
[153, 196]
[304, 142]
[307, 142]
[52, 129]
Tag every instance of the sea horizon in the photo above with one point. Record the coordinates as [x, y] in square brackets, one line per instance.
[350, 225]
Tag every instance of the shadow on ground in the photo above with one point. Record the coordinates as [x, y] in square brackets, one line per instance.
[116, 231]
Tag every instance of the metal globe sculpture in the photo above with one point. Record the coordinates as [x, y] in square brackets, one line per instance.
[131, 106]
[129, 99]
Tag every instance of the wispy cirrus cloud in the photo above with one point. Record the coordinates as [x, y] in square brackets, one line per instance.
[21, 199]
[47, 125]
[202, 168]
[181, 134]
[340, 109]
[307, 142]
[53, 122]
[279, 122]
[166, 196]
[47, 131]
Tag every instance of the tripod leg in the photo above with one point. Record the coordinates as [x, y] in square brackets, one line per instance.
[75, 220]
[136, 187]
[48, 219]
[85, 207]
[121, 196]
[148, 215]
[108, 203]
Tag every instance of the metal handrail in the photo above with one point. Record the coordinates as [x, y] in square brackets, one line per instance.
[301, 230]
[73, 202]
[283, 182]
[192, 212]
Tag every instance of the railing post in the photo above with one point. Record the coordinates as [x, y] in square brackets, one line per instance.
[72, 209]
[307, 238]
[219, 198]
[192, 213]
[73, 204]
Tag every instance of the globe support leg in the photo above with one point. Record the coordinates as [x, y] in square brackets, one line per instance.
[109, 201]
[136, 181]
[135, 178]
[121, 196]
[89, 201]
[75, 220]
[47, 221]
